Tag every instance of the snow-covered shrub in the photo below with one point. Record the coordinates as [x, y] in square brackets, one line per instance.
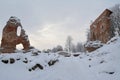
[64, 53]
[57, 48]
[94, 44]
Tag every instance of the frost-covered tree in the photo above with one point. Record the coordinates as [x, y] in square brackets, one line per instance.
[59, 48]
[68, 45]
[73, 48]
[80, 47]
[46, 51]
[115, 20]
[88, 34]
[54, 50]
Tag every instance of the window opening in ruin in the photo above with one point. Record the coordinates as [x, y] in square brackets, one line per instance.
[102, 29]
[18, 31]
[19, 46]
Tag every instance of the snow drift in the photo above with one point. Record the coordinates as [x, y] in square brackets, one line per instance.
[102, 64]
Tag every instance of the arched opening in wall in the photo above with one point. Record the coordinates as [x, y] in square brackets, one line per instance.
[19, 46]
[18, 31]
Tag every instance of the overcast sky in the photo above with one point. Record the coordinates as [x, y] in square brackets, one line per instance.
[49, 22]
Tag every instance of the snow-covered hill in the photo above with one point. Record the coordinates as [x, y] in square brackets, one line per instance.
[102, 64]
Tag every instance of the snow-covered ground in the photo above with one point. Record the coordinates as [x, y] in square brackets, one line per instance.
[102, 64]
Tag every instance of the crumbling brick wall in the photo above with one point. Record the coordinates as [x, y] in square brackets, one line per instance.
[100, 28]
[10, 38]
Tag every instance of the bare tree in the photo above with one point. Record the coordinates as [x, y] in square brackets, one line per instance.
[73, 48]
[80, 47]
[68, 45]
[88, 34]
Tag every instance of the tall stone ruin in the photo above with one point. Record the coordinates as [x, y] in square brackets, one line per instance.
[10, 38]
[100, 31]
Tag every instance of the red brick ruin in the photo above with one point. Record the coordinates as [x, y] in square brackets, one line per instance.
[10, 38]
[100, 29]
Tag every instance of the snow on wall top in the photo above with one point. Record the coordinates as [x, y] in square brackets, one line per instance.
[14, 19]
[94, 44]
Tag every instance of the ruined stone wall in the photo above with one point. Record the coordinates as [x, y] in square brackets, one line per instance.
[10, 38]
[100, 28]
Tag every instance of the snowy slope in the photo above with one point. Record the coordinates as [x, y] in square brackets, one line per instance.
[102, 64]
[105, 61]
